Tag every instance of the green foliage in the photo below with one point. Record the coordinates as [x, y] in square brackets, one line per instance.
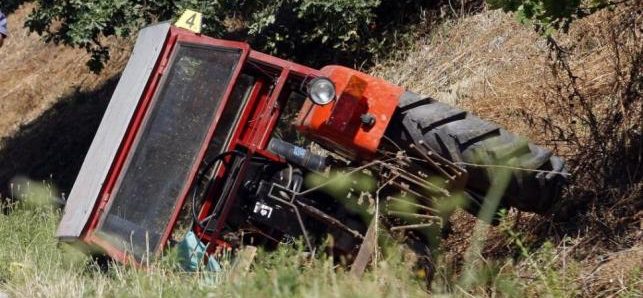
[285, 27]
[314, 31]
[8, 6]
[83, 23]
[550, 15]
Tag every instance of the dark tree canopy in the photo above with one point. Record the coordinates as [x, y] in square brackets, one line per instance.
[314, 32]
[551, 15]
[8, 6]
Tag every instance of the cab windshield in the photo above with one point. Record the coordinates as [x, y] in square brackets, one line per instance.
[166, 148]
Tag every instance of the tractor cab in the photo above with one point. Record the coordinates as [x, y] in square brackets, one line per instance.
[212, 131]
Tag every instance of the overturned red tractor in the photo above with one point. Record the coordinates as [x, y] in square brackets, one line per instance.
[252, 149]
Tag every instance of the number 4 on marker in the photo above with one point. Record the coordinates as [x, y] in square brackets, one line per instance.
[190, 20]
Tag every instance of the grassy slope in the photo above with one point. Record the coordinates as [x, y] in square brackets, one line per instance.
[34, 76]
[475, 62]
[504, 72]
[50, 105]
[33, 264]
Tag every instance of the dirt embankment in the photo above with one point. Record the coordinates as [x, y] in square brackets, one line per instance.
[50, 105]
[579, 94]
[35, 75]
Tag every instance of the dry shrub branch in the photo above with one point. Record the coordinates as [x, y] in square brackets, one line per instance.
[591, 110]
[593, 113]
[578, 93]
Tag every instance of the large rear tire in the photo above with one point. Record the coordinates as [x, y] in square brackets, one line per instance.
[482, 148]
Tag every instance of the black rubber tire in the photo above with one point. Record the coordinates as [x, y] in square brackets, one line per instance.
[466, 139]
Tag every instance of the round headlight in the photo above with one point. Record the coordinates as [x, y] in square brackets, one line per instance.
[321, 91]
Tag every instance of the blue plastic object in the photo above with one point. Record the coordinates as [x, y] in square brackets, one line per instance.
[191, 252]
[3, 25]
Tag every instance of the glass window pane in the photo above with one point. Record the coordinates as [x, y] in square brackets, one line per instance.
[170, 138]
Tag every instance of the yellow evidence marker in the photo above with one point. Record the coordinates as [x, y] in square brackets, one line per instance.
[190, 20]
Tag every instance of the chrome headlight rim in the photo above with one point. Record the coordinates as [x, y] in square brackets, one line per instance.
[322, 91]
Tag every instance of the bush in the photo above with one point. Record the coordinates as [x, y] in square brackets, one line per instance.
[8, 6]
[550, 15]
[314, 31]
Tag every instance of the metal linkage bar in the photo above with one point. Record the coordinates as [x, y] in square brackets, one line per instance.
[413, 204]
[412, 227]
[327, 218]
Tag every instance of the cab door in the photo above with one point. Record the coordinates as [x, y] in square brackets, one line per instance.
[157, 157]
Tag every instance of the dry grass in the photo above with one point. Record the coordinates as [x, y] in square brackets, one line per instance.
[33, 76]
[481, 63]
[504, 72]
[34, 264]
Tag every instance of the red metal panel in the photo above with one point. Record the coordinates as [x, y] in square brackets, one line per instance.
[293, 68]
[268, 120]
[337, 124]
[255, 113]
[176, 35]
